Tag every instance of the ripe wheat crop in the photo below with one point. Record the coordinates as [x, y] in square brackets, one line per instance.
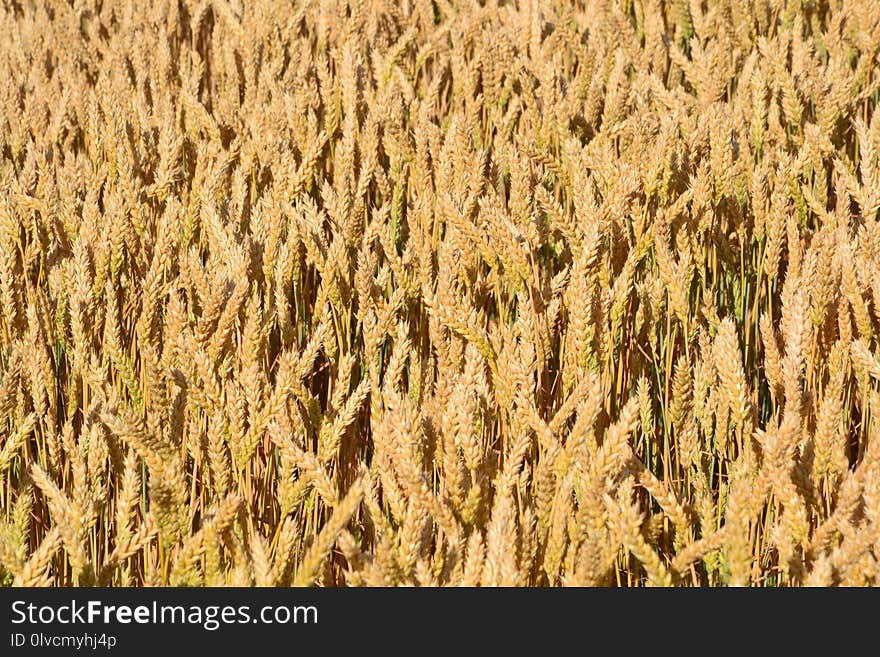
[428, 292]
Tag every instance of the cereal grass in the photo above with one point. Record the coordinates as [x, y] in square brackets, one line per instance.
[427, 292]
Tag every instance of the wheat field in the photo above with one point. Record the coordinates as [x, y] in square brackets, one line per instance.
[423, 292]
